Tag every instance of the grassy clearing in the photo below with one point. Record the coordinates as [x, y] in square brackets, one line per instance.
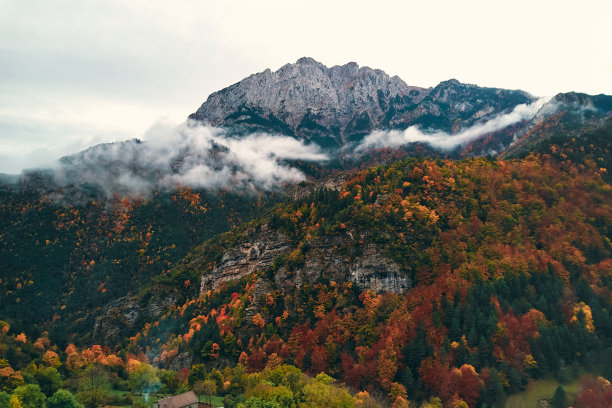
[215, 401]
[539, 389]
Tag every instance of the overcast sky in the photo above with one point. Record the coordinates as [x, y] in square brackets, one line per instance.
[78, 72]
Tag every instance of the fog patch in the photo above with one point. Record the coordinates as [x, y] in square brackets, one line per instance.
[187, 155]
[447, 141]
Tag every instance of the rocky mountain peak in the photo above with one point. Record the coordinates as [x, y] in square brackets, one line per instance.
[307, 61]
[339, 105]
[451, 81]
[310, 100]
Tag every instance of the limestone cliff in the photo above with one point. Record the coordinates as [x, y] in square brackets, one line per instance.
[345, 257]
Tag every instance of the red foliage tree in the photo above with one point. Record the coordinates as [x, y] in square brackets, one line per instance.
[595, 393]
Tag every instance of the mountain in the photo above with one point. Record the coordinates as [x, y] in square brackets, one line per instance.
[339, 105]
[566, 116]
[339, 111]
[204, 257]
[419, 276]
[62, 260]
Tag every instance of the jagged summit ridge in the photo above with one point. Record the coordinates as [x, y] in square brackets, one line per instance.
[343, 103]
[308, 96]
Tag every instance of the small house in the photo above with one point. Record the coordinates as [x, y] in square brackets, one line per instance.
[185, 400]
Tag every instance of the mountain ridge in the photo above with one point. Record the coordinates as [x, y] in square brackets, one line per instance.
[336, 109]
[337, 105]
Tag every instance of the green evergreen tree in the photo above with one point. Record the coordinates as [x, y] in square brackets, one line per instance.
[484, 350]
[472, 335]
[559, 399]
[4, 399]
[494, 394]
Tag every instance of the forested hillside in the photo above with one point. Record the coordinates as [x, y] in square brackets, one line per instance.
[63, 262]
[509, 264]
[393, 246]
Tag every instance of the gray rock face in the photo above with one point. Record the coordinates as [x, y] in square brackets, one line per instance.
[122, 315]
[311, 100]
[181, 361]
[256, 252]
[364, 264]
[453, 105]
[304, 189]
[378, 273]
[339, 105]
[119, 314]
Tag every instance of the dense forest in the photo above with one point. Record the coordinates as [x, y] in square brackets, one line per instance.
[61, 261]
[509, 264]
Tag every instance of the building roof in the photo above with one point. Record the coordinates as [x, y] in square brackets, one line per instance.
[178, 401]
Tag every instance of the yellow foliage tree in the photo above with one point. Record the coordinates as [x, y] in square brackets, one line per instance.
[51, 359]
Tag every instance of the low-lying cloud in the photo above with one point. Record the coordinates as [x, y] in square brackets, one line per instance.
[188, 155]
[212, 158]
[446, 141]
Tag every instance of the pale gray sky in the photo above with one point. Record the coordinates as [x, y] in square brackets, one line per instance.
[78, 72]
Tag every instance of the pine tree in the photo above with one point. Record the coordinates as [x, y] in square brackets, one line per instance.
[559, 399]
[494, 394]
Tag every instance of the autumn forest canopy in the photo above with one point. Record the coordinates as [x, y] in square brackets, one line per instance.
[409, 279]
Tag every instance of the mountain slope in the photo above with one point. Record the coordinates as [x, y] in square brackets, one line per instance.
[63, 262]
[426, 277]
[495, 262]
[564, 117]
